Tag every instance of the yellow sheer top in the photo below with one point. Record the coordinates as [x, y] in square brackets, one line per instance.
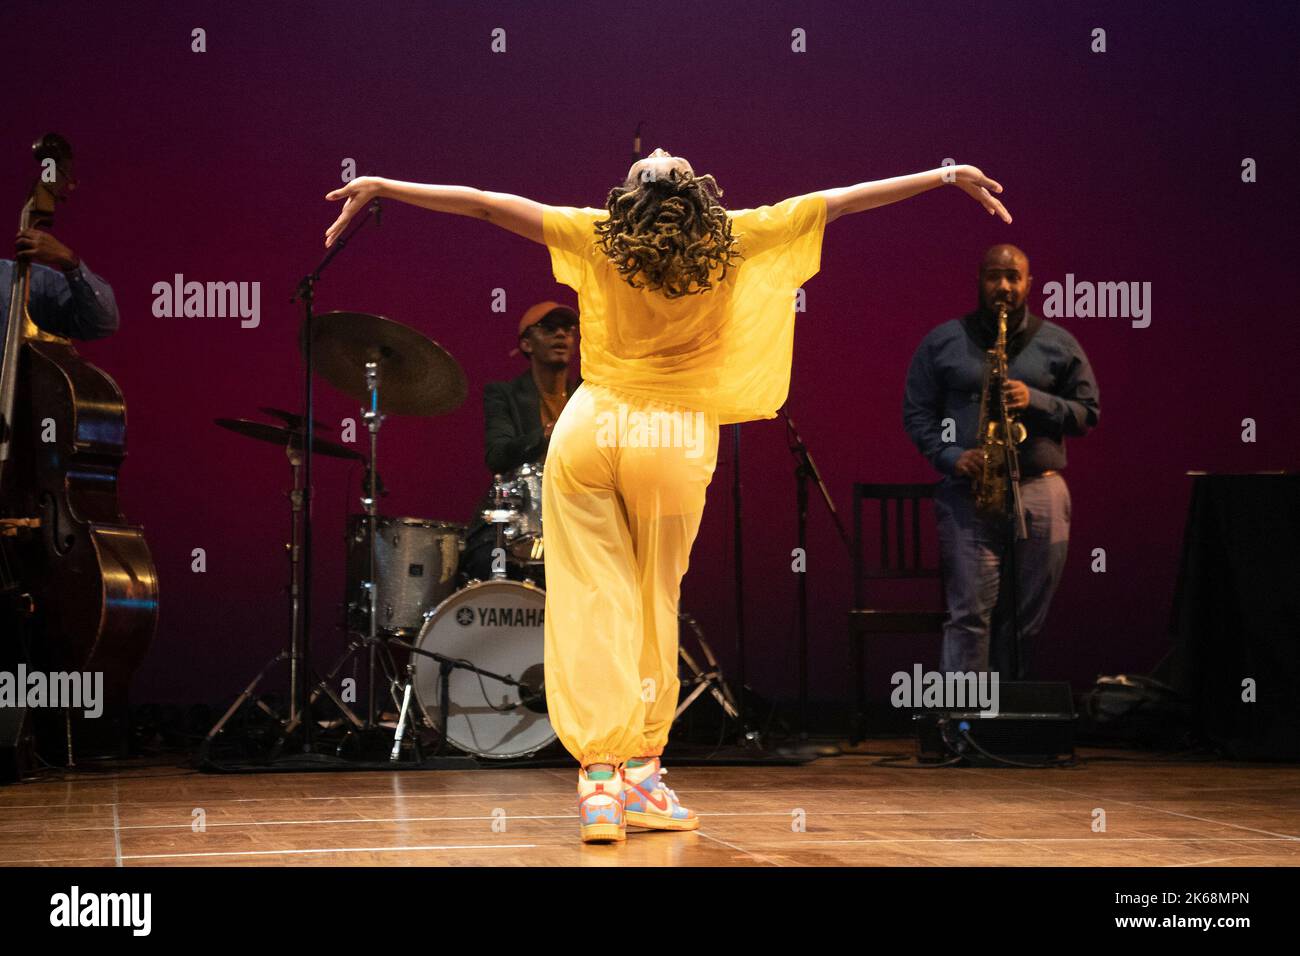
[727, 350]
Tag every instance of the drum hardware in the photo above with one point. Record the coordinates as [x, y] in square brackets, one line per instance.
[350, 351]
[290, 419]
[501, 515]
[287, 437]
[376, 655]
[702, 680]
[418, 378]
[526, 485]
[291, 439]
[396, 753]
[516, 511]
[306, 292]
[529, 693]
[805, 468]
[299, 653]
[373, 420]
[712, 680]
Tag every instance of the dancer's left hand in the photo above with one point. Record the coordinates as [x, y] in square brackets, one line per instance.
[973, 182]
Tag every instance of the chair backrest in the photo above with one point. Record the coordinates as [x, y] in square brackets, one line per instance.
[899, 533]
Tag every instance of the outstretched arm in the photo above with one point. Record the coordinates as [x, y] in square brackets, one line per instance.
[882, 192]
[515, 213]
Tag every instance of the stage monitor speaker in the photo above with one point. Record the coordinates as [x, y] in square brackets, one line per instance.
[1035, 723]
[16, 747]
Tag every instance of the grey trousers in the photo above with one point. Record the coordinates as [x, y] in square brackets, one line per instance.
[976, 574]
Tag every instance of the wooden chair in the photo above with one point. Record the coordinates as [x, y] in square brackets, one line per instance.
[900, 560]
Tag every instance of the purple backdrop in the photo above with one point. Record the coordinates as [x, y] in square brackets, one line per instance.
[1119, 166]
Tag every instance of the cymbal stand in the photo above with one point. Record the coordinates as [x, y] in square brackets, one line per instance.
[294, 653]
[377, 653]
[369, 502]
[295, 571]
[710, 680]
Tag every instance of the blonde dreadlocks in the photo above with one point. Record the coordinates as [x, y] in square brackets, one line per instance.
[668, 234]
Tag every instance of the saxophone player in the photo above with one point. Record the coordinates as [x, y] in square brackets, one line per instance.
[1051, 390]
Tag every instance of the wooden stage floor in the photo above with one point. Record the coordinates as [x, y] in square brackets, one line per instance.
[852, 814]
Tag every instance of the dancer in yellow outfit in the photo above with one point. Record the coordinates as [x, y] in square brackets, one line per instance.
[688, 323]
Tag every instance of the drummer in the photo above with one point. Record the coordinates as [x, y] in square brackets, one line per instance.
[519, 415]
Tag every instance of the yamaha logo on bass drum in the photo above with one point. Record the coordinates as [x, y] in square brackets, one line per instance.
[501, 616]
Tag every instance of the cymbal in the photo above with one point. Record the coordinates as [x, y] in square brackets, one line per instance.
[292, 419]
[285, 437]
[417, 376]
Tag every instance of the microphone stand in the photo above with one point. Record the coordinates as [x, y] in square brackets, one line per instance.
[300, 659]
[804, 469]
[529, 694]
[751, 737]
[300, 561]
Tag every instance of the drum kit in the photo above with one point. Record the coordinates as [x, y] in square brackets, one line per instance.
[474, 648]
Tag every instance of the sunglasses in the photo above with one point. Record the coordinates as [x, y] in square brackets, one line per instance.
[554, 325]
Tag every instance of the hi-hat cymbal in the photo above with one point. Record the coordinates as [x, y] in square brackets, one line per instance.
[286, 437]
[417, 376]
[291, 419]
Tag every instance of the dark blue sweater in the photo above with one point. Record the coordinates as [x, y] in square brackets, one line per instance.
[946, 377]
[77, 304]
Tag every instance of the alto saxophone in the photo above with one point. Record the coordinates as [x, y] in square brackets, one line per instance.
[999, 432]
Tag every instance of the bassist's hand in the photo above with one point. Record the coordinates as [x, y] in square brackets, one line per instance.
[33, 245]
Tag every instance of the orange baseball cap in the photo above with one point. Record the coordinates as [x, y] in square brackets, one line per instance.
[538, 312]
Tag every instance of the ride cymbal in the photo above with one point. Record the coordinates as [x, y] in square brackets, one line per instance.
[417, 376]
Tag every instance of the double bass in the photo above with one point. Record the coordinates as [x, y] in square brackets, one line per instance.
[78, 586]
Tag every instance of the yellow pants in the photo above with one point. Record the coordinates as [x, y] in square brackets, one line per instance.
[622, 495]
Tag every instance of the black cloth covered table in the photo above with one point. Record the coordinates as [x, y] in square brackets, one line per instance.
[1237, 613]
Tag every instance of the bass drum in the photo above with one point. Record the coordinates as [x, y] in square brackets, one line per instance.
[497, 626]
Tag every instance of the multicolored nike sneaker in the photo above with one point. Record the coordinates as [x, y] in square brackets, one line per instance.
[600, 808]
[650, 804]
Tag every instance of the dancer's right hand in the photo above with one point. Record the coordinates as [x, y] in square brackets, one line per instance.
[357, 194]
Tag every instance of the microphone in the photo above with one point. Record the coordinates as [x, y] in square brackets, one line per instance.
[378, 210]
[636, 142]
[532, 688]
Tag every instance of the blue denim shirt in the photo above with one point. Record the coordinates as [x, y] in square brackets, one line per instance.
[76, 305]
[946, 377]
